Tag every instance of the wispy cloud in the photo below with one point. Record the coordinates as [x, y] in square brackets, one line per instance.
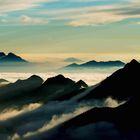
[96, 15]
[9, 113]
[95, 18]
[107, 14]
[23, 20]
[88, 15]
[16, 5]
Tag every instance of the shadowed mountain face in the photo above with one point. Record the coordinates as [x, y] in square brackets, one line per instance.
[120, 85]
[34, 90]
[124, 120]
[19, 92]
[11, 57]
[61, 88]
[126, 116]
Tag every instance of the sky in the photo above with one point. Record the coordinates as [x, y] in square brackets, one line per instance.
[87, 29]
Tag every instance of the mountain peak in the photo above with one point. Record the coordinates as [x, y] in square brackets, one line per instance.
[60, 76]
[59, 79]
[11, 54]
[134, 63]
[35, 77]
[32, 79]
[11, 57]
[82, 83]
[2, 54]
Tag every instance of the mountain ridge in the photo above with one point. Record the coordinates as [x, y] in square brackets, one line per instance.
[11, 57]
[94, 63]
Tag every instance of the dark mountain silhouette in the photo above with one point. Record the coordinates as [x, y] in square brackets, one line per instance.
[59, 80]
[2, 54]
[11, 57]
[19, 93]
[120, 85]
[115, 115]
[76, 89]
[82, 83]
[93, 63]
[102, 63]
[31, 82]
[34, 90]
[72, 60]
[61, 88]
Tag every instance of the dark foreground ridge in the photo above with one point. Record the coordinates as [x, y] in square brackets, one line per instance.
[121, 85]
[125, 121]
[125, 118]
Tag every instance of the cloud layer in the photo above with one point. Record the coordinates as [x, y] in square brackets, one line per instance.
[42, 11]
[16, 5]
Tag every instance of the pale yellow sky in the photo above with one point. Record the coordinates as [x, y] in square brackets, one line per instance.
[44, 30]
[51, 57]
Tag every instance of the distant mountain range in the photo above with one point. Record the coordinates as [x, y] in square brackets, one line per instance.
[10, 58]
[93, 63]
[72, 60]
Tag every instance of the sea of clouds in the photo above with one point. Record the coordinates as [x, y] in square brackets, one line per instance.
[35, 120]
[89, 78]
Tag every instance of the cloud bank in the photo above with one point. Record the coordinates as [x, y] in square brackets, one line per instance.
[104, 13]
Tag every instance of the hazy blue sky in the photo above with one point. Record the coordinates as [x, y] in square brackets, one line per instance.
[100, 29]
